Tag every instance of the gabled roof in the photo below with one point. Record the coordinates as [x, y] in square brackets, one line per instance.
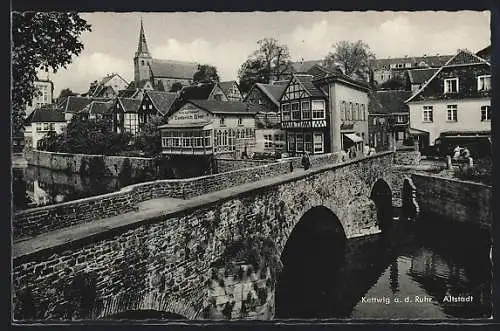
[173, 69]
[129, 105]
[227, 85]
[273, 92]
[432, 61]
[307, 83]
[463, 57]
[197, 91]
[420, 76]
[46, 115]
[137, 85]
[389, 101]
[98, 107]
[162, 101]
[97, 88]
[485, 53]
[74, 104]
[224, 107]
[301, 67]
[319, 71]
[127, 93]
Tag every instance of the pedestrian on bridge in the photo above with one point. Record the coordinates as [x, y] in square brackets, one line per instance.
[306, 163]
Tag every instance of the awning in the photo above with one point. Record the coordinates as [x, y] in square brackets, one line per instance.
[353, 137]
[184, 125]
[418, 132]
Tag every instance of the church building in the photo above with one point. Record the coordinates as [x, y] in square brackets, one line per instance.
[162, 74]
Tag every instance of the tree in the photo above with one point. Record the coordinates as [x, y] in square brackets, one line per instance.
[40, 41]
[205, 74]
[355, 57]
[177, 86]
[395, 83]
[271, 61]
[66, 92]
[149, 139]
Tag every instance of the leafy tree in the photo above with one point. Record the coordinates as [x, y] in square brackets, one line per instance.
[271, 61]
[40, 41]
[206, 73]
[355, 57]
[148, 139]
[66, 92]
[177, 86]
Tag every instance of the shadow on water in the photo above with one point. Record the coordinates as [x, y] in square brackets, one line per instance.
[326, 277]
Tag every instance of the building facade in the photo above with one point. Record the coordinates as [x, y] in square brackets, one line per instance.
[209, 127]
[44, 96]
[455, 102]
[124, 115]
[107, 87]
[304, 117]
[388, 119]
[42, 122]
[231, 90]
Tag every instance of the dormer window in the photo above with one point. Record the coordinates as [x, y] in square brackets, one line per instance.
[451, 85]
[484, 83]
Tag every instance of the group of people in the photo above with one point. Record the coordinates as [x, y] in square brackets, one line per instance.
[461, 152]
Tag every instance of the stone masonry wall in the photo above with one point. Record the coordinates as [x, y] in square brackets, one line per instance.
[72, 163]
[35, 221]
[454, 199]
[226, 165]
[166, 264]
[407, 157]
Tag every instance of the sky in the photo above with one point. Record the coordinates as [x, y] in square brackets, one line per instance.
[227, 39]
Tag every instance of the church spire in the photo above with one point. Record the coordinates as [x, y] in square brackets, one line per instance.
[142, 47]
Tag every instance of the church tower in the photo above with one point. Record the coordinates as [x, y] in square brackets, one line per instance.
[142, 58]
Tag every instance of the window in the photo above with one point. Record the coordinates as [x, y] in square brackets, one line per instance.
[142, 62]
[356, 111]
[131, 122]
[240, 121]
[308, 144]
[485, 113]
[285, 110]
[452, 113]
[400, 119]
[306, 110]
[451, 85]
[38, 126]
[299, 140]
[349, 112]
[427, 113]
[45, 126]
[291, 142]
[363, 113]
[342, 111]
[318, 142]
[221, 120]
[295, 111]
[318, 109]
[484, 83]
[260, 101]
[52, 126]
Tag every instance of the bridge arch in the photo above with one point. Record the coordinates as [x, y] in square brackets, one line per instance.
[381, 195]
[153, 305]
[312, 257]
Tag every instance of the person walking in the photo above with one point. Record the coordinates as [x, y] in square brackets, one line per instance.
[306, 163]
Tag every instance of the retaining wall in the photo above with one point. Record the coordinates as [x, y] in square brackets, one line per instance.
[35, 221]
[453, 199]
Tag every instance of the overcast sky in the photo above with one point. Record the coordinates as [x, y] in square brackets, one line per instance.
[227, 39]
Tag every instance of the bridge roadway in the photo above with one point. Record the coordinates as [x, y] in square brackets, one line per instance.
[149, 211]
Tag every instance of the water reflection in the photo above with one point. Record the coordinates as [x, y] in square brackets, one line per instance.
[422, 266]
[35, 186]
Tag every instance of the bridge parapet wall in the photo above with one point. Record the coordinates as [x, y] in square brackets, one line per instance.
[35, 221]
[453, 199]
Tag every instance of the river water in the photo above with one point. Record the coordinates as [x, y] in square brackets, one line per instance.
[413, 271]
[34, 187]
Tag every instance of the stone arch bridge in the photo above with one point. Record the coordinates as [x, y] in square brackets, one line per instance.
[212, 256]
